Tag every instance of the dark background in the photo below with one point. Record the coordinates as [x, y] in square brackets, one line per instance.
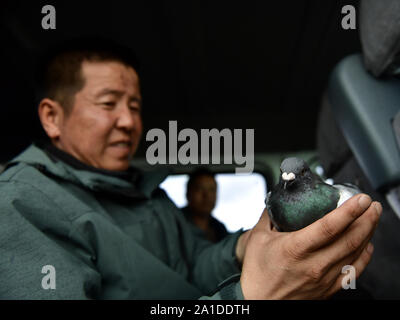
[207, 64]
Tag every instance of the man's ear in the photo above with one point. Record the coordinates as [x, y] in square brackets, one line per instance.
[51, 115]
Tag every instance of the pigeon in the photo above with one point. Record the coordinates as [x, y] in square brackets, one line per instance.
[302, 197]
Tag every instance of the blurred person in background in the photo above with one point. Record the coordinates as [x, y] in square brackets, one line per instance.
[201, 194]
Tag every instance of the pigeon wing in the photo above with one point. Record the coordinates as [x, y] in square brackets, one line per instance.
[346, 191]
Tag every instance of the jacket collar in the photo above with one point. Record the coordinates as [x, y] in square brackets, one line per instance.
[133, 183]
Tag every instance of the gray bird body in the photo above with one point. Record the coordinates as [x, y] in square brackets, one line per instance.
[301, 197]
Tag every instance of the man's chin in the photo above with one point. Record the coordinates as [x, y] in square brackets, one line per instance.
[117, 165]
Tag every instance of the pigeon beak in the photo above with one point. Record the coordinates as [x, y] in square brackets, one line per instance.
[287, 177]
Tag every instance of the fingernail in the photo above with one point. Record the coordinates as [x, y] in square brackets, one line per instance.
[364, 201]
[378, 208]
[370, 248]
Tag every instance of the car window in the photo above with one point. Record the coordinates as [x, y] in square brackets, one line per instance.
[240, 198]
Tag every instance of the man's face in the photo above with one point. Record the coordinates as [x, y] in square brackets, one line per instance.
[202, 195]
[104, 126]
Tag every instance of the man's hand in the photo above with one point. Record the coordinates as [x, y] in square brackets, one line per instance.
[307, 264]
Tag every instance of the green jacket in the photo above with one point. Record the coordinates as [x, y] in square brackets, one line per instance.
[106, 237]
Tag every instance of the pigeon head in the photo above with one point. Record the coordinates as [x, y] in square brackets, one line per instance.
[294, 170]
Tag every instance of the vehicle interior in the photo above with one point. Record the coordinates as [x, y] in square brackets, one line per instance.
[287, 69]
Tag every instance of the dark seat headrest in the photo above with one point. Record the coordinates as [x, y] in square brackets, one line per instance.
[380, 36]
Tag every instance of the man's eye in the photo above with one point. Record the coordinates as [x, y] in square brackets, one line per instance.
[109, 103]
[134, 108]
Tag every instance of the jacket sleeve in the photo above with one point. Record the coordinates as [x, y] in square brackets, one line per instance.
[35, 262]
[230, 289]
[209, 264]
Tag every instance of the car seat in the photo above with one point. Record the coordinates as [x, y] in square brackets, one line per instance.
[358, 134]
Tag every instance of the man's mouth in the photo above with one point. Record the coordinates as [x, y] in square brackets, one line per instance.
[124, 144]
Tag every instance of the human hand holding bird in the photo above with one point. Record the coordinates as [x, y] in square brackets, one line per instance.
[307, 264]
[331, 227]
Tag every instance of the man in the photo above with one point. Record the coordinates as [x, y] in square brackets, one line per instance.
[106, 231]
[201, 194]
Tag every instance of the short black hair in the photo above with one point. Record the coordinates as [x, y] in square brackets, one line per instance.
[202, 171]
[59, 70]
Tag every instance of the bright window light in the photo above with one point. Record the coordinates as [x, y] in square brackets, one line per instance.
[240, 198]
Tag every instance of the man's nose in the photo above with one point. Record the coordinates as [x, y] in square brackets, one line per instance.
[208, 194]
[125, 118]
